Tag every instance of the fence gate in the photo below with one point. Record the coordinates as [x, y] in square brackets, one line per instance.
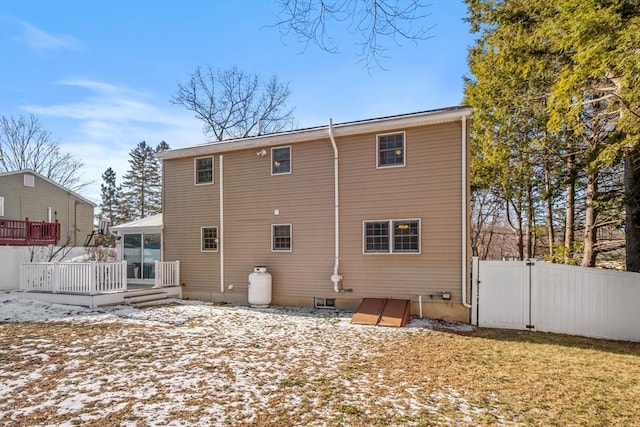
[504, 291]
[557, 298]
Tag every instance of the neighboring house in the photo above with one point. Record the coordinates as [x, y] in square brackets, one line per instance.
[31, 205]
[373, 208]
[139, 243]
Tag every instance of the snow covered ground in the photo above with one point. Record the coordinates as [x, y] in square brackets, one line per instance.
[194, 363]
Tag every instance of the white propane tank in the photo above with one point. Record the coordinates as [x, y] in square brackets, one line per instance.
[260, 287]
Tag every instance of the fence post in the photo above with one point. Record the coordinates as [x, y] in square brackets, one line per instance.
[92, 278]
[123, 274]
[176, 274]
[475, 270]
[159, 276]
[56, 277]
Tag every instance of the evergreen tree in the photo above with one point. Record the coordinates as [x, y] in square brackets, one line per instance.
[109, 192]
[110, 205]
[142, 184]
[556, 100]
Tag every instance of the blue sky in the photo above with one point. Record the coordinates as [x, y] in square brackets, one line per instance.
[99, 74]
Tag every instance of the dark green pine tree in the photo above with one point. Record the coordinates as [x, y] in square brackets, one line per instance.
[111, 198]
[142, 184]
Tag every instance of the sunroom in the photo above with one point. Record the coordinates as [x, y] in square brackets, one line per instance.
[139, 243]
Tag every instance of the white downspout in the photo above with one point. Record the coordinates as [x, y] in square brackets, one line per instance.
[464, 213]
[221, 231]
[335, 277]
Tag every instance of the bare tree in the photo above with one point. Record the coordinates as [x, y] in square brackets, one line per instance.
[26, 144]
[375, 21]
[50, 253]
[233, 104]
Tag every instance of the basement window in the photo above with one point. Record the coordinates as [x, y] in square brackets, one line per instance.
[324, 302]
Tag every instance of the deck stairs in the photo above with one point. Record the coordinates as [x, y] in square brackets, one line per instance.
[146, 297]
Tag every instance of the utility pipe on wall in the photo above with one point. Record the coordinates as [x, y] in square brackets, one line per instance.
[221, 231]
[336, 278]
[464, 212]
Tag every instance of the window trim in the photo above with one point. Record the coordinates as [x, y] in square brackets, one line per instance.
[195, 170]
[290, 238]
[202, 249]
[404, 150]
[290, 160]
[391, 250]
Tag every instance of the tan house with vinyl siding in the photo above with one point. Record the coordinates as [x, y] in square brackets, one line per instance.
[28, 194]
[393, 224]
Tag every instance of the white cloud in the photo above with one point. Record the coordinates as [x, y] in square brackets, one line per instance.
[104, 126]
[41, 42]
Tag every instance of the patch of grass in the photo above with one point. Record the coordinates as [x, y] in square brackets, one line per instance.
[289, 382]
[531, 378]
[378, 378]
[350, 410]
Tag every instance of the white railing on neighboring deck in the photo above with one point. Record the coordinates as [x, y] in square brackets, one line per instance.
[167, 274]
[74, 277]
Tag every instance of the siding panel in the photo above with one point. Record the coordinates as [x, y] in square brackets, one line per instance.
[429, 188]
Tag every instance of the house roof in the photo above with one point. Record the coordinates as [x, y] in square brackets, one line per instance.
[153, 221]
[32, 172]
[380, 124]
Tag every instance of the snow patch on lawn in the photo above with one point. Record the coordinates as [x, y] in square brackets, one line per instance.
[196, 363]
[180, 312]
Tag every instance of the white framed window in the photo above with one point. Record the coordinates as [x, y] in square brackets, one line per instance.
[390, 150]
[203, 170]
[209, 239]
[1, 206]
[281, 237]
[281, 160]
[391, 236]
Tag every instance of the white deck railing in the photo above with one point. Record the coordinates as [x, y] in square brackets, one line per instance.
[74, 277]
[167, 274]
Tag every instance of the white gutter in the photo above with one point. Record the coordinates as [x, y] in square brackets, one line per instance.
[221, 231]
[464, 213]
[335, 277]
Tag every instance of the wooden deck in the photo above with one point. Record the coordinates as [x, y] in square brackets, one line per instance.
[106, 298]
[29, 233]
[93, 284]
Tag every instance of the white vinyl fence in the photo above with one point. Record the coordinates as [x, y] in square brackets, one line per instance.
[167, 274]
[12, 257]
[557, 298]
[74, 277]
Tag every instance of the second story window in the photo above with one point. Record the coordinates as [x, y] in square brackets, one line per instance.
[280, 160]
[204, 170]
[391, 150]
